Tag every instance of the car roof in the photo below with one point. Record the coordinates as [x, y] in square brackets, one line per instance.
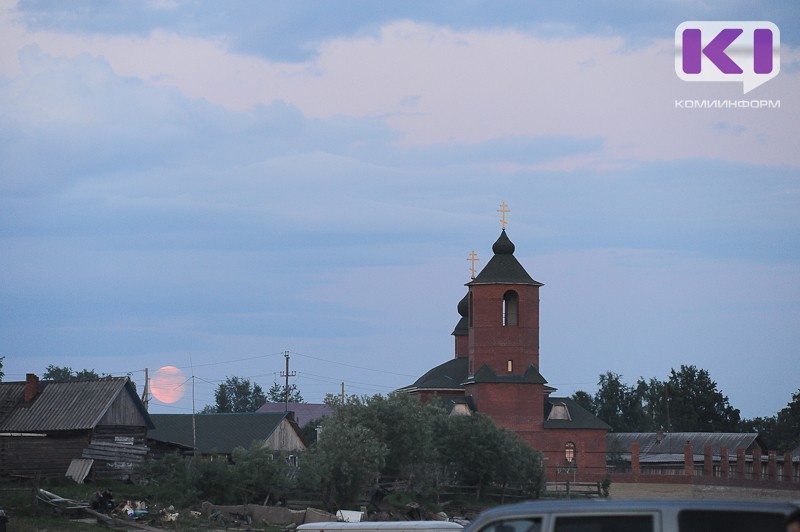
[595, 506]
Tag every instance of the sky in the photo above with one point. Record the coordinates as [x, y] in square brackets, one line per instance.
[214, 185]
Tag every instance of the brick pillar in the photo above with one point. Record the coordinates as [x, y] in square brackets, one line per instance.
[708, 461]
[688, 459]
[635, 469]
[787, 467]
[724, 462]
[741, 464]
[772, 466]
[757, 464]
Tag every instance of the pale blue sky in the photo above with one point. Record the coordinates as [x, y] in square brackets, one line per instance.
[220, 183]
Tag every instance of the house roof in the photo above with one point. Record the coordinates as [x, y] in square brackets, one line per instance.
[655, 446]
[578, 417]
[216, 433]
[503, 267]
[304, 413]
[78, 404]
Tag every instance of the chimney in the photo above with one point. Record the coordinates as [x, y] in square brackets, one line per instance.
[31, 386]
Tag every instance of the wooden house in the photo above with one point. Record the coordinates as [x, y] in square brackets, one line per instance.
[219, 434]
[99, 426]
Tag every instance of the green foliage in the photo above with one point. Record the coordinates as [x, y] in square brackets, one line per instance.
[346, 459]
[423, 446]
[2, 373]
[237, 395]
[688, 401]
[252, 475]
[277, 393]
[781, 431]
[65, 373]
[620, 405]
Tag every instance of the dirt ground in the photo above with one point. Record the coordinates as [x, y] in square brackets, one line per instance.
[661, 491]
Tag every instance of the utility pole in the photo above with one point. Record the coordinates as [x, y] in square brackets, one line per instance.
[286, 386]
[146, 390]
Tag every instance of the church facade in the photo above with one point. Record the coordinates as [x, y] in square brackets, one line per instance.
[496, 371]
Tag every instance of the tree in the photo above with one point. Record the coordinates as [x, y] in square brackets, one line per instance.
[696, 405]
[237, 395]
[66, 373]
[405, 425]
[2, 373]
[346, 459]
[787, 429]
[618, 404]
[277, 394]
[585, 400]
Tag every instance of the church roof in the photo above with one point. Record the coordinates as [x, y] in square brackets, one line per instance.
[449, 375]
[577, 417]
[503, 267]
[486, 374]
[462, 327]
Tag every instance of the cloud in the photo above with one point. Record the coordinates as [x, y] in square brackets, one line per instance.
[432, 85]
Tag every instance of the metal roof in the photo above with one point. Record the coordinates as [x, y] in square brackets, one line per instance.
[447, 376]
[672, 443]
[216, 433]
[77, 404]
[503, 267]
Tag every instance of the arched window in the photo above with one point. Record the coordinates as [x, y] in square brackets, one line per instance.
[569, 452]
[510, 308]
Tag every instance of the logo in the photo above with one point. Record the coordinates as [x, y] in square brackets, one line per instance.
[746, 52]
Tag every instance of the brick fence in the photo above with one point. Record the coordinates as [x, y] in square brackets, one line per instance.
[725, 469]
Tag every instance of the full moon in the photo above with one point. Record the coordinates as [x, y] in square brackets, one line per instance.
[167, 385]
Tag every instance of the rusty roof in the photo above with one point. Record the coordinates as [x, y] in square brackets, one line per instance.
[65, 405]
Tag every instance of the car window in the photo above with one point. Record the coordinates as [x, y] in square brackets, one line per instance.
[713, 520]
[515, 525]
[604, 523]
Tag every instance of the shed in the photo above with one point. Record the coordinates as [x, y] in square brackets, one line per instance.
[45, 425]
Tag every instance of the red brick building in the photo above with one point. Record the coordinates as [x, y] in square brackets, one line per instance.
[496, 371]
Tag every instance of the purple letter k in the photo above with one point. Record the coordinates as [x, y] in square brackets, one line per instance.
[715, 51]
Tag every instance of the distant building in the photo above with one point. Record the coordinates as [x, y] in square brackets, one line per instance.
[496, 371]
[99, 424]
[220, 434]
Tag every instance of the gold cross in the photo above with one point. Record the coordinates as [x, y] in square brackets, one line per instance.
[503, 210]
[472, 258]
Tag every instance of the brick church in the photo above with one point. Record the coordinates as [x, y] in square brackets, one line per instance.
[496, 371]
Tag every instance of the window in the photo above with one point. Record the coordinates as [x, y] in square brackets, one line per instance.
[516, 525]
[569, 452]
[510, 308]
[699, 520]
[605, 523]
[510, 366]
